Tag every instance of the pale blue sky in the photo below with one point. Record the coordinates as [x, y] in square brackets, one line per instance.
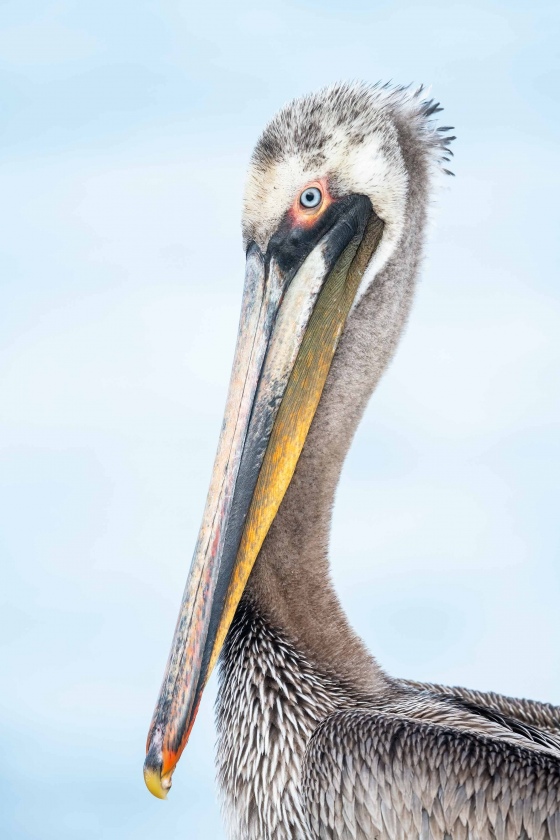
[126, 129]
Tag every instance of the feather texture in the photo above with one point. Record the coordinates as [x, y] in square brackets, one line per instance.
[302, 754]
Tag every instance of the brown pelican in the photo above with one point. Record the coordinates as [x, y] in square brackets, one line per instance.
[314, 739]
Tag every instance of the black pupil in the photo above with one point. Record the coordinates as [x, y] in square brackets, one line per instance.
[310, 197]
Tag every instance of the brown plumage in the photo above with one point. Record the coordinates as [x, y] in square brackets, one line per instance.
[314, 739]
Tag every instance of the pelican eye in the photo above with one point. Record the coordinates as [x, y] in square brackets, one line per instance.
[310, 198]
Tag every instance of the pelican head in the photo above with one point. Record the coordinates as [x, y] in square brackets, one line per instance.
[327, 205]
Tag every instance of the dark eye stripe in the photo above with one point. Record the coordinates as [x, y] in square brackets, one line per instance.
[311, 197]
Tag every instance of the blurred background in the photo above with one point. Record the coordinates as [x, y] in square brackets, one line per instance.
[126, 131]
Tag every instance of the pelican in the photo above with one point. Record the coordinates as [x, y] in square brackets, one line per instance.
[315, 740]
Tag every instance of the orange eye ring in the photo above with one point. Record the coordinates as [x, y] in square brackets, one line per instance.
[310, 202]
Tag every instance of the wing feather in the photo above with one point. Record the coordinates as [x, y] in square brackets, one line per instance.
[543, 716]
[369, 775]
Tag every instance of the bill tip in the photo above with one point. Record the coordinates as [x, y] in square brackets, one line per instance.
[157, 784]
